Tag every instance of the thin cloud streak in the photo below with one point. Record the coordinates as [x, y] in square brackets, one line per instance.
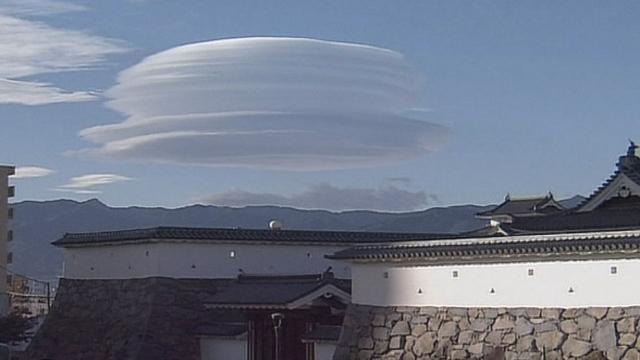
[29, 47]
[79, 192]
[280, 103]
[27, 172]
[92, 180]
[329, 197]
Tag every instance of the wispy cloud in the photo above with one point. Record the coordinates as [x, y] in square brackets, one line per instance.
[326, 196]
[287, 103]
[37, 7]
[29, 47]
[25, 172]
[79, 192]
[92, 180]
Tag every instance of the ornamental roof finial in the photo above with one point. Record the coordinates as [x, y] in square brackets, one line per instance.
[507, 197]
[632, 150]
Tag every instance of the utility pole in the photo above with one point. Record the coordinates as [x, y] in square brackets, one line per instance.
[48, 297]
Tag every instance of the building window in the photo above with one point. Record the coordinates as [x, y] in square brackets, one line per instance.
[385, 274]
[614, 269]
[308, 254]
[454, 273]
[10, 235]
[530, 272]
[232, 254]
[146, 253]
[10, 258]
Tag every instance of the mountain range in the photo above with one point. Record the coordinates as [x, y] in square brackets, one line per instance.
[37, 223]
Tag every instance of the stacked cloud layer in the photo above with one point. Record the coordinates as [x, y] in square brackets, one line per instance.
[30, 48]
[289, 103]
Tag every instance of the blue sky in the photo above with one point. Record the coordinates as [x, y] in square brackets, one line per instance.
[536, 96]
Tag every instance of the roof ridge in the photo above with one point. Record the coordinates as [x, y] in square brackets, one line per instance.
[529, 197]
[243, 235]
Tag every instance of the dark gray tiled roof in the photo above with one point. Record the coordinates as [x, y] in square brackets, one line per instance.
[520, 206]
[221, 329]
[323, 333]
[571, 221]
[273, 290]
[238, 235]
[511, 247]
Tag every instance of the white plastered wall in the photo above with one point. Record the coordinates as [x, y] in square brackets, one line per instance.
[552, 284]
[323, 351]
[197, 260]
[223, 349]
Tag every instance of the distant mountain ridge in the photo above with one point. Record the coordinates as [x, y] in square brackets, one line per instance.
[37, 223]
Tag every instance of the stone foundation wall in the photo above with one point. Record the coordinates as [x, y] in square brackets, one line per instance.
[135, 319]
[408, 333]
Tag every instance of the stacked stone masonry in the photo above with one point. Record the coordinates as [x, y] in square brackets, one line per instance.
[133, 319]
[412, 333]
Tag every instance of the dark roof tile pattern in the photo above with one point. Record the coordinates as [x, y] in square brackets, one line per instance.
[585, 243]
[274, 290]
[239, 235]
[221, 329]
[571, 221]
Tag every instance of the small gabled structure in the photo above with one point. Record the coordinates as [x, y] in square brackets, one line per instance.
[286, 292]
[288, 317]
[521, 207]
[622, 189]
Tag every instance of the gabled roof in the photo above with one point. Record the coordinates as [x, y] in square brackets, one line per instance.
[236, 236]
[626, 175]
[280, 292]
[522, 206]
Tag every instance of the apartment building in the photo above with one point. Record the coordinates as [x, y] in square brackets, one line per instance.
[6, 192]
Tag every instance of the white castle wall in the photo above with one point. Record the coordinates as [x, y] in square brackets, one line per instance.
[553, 284]
[197, 260]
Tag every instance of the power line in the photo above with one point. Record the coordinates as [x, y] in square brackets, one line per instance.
[22, 275]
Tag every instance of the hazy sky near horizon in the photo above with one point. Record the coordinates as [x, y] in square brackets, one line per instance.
[449, 102]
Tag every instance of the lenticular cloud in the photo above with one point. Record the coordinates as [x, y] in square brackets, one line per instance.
[288, 103]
